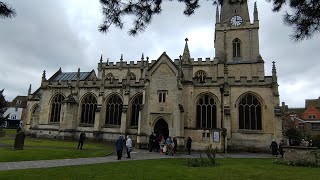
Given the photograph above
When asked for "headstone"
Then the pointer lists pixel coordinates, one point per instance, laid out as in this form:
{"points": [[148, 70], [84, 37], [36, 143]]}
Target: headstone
{"points": [[19, 141], [300, 153]]}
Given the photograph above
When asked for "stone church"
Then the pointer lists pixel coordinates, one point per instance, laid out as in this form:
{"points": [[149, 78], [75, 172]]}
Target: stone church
{"points": [[226, 102]]}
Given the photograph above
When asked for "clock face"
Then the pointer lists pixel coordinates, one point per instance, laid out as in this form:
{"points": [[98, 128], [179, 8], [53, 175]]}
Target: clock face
{"points": [[236, 20]]}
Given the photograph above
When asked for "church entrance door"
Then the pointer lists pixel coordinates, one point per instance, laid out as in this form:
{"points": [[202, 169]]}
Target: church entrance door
{"points": [[161, 128]]}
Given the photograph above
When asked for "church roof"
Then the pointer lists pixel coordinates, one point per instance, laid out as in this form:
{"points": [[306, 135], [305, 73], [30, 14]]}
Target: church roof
{"points": [[69, 76]]}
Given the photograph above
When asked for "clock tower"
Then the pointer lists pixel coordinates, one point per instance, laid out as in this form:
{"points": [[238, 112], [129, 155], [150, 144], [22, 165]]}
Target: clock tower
{"points": [[236, 37]]}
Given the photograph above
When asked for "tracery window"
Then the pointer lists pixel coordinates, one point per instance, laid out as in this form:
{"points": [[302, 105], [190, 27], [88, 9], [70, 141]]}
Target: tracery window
{"points": [[201, 75], [56, 107], [206, 112], [114, 110], [88, 109], [135, 110], [236, 47], [250, 113]]}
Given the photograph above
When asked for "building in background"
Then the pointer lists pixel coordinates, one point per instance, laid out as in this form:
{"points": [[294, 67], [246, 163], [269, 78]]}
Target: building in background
{"points": [[306, 119], [15, 111]]}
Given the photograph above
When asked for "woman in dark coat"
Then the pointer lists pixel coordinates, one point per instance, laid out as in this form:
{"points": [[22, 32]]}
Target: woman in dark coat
{"points": [[281, 144], [189, 141], [274, 148]]}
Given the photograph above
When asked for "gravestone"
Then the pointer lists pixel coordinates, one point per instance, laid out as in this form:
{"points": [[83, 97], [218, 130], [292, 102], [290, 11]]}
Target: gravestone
{"points": [[19, 141], [300, 153]]}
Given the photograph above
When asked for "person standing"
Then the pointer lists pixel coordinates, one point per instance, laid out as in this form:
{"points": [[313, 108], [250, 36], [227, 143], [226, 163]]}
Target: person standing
{"points": [[274, 148], [189, 142], [281, 144], [152, 141], [175, 144], [119, 147], [129, 146], [81, 140]]}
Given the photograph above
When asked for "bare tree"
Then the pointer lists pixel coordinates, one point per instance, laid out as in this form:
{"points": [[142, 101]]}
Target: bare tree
{"points": [[305, 16], [6, 11]]}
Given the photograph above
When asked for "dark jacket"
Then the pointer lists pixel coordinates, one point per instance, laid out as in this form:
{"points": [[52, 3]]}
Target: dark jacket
{"points": [[82, 136], [189, 141], [119, 144]]}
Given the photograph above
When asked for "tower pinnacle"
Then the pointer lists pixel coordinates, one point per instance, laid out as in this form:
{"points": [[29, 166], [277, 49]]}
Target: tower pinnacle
{"points": [[186, 53]]}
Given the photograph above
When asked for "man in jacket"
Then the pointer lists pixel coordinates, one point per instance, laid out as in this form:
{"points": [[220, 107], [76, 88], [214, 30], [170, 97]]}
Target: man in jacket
{"points": [[119, 146], [81, 140]]}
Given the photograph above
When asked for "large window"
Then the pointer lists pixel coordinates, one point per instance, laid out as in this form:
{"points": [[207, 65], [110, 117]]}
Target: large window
{"points": [[114, 110], [206, 112], [56, 107], [88, 109], [135, 110], [250, 113], [236, 48]]}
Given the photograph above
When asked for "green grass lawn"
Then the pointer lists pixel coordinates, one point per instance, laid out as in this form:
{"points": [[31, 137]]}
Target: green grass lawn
{"points": [[170, 169], [45, 149]]}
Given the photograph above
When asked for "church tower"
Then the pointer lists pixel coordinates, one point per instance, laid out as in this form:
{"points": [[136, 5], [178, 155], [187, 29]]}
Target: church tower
{"points": [[236, 37]]}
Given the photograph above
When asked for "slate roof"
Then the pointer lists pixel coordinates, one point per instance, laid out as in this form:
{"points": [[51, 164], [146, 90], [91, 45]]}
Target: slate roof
{"points": [[314, 102], [70, 76], [22, 104]]}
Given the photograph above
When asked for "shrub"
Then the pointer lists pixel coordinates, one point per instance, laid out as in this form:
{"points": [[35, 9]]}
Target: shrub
{"points": [[204, 162], [301, 163], [316, 140]]}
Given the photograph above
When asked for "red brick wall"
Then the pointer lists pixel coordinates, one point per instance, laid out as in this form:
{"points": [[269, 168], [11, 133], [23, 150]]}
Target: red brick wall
{"points": [[311, 111]]}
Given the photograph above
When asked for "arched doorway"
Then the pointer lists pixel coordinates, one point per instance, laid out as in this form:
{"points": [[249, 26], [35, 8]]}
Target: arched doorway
{"points": [[161, 128]]}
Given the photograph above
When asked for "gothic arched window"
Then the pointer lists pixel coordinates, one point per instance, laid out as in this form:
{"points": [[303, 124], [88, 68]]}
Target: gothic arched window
{"points": [[201, 75], [250, 113], [56, 107], [135, 110], [88, 109], [114, 110], [236, 47], [206, 112]]}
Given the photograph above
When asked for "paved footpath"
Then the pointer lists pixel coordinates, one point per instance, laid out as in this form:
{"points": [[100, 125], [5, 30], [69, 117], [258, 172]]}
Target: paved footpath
{"points": [[136, 155]]}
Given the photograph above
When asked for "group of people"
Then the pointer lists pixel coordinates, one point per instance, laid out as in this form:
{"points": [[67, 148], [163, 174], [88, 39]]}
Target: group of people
{"points": [[166, 146], [277, 148], [120, 145]]}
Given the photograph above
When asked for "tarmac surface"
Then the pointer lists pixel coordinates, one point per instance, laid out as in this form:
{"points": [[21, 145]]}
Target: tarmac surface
{"points": [[137, 154]]}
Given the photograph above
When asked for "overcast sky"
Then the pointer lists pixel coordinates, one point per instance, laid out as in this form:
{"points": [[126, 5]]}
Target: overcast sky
{"points": [[50, 34]]}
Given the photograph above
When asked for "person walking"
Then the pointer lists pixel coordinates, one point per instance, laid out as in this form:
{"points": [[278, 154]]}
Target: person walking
{"points": [[189, 142], [119, 147], [274, 148], [281, 144], [129, 146], [81, 140]]}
